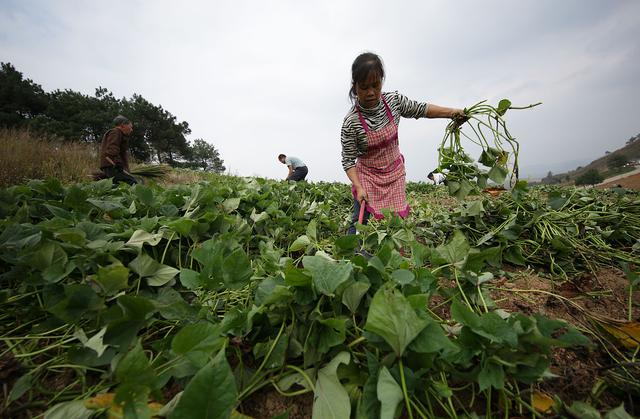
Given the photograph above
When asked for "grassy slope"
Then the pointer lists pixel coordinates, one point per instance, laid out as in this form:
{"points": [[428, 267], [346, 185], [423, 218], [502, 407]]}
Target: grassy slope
{"points": [[632, 151]]}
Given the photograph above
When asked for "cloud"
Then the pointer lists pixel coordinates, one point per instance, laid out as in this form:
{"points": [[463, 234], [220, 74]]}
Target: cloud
{"points": [[260, 78]]}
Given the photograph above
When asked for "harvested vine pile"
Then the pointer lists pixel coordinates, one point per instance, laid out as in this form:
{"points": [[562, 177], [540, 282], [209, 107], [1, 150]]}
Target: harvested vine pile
{"points": [[244, 296], [485, 126]]}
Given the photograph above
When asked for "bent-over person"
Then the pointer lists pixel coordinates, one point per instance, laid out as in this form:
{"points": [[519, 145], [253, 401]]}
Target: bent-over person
{"points": [[114, 151], [297, 168]]}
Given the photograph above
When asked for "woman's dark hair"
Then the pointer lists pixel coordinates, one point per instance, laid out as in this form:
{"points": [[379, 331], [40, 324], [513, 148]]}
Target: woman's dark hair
{"points": [[364, 64], [281, 156]]}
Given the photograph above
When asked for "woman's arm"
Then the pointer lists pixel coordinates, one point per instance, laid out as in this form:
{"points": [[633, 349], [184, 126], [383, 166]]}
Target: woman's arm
{"points": [[352, 173], [435, 111], [290, 171]]}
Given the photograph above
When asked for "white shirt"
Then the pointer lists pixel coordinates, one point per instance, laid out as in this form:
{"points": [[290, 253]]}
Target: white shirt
{"points": [[438, 178]]}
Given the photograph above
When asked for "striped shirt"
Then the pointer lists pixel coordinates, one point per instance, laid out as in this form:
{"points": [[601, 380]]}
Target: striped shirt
{"points": [[353, 136]]}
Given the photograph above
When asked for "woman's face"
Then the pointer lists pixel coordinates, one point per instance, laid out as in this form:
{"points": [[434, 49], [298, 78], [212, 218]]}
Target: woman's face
{"points": [[369, 91]]}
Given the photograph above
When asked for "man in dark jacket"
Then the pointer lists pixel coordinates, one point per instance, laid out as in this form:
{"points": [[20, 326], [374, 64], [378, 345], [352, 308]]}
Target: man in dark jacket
{"points": [[114, 153]]}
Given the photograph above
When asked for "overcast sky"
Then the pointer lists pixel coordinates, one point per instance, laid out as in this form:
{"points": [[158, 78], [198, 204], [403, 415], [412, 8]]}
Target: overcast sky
{"points": [[259, 78]]}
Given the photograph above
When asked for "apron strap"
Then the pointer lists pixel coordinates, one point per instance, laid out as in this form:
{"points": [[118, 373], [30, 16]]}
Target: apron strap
{"points": [[388, 109]]}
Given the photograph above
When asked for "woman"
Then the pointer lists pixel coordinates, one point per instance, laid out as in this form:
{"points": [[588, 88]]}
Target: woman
{"points": [[370, 153]]}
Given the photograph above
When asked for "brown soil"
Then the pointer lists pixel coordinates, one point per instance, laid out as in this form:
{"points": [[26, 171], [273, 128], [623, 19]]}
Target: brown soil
{"points": [[629, 182], [580, 301], [268, 403]]}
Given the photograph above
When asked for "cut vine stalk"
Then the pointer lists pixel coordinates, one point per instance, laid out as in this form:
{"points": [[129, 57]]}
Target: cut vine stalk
{"points": [[488, 131]]}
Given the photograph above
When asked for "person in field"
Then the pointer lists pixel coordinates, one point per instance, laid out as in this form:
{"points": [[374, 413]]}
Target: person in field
{"points": [[297, 168], [370, 150], [114, 151], [437, 178]]}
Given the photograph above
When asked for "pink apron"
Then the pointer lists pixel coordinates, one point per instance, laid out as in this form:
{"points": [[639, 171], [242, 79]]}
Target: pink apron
{"points": [[381, 169]]}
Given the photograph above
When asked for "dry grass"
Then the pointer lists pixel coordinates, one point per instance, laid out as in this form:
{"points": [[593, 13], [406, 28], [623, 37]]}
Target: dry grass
{"points": [[186, 176], [25, 155]]}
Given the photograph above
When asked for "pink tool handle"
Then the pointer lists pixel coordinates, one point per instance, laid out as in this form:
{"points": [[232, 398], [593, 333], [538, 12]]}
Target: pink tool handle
{"points": [[361, 216]]}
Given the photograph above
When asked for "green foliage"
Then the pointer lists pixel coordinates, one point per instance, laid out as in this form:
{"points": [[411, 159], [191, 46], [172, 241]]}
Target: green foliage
{"points": [[206, 157], [617, 161], [20, 98], [590, 177], [216, 290]]}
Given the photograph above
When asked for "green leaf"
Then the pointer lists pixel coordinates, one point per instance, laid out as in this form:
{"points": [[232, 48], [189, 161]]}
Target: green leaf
{"points": [[331, 400], [236, 269], [106, 205], [352, 295], [327, 274], [331, 333], [198, 342], [59, 212], [296, 277], [134, 368], [49, 255], [134, 399], [503, 106], [432, 339], [300, 243], [312, 230], [368, 405], [172, 306], [454, 252], [491, 375], [474, 209], [277, 357], [498, 174], [144, 194], [403, 276], [182, 226], [17, 236], [140, 237], [95, 343], [68, 410], [346, 244], [618, 413], [487, 158], [156, 273], [113, 278], [58, 272], [21, 386], [80, 299], [462, 314], [136, 307], [463, 189], [211, 393], [190, 279], [389, 394], [581, 410], [392, 318], [71, 235], [494, 327], [513, 254], [231, 204]]}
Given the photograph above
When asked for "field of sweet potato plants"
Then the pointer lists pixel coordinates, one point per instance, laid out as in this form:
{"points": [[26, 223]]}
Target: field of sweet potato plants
{"points": [[244, 298]]}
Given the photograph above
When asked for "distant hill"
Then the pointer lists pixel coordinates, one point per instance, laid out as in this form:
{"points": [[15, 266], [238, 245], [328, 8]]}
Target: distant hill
{"points": [[631, 152]]}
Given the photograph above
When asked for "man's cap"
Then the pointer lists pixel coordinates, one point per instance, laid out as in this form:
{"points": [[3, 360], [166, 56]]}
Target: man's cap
{"points": [[120, 120]]}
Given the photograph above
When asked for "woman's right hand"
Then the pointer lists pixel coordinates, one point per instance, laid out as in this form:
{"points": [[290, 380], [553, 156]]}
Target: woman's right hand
{"points": [[361, 194]]}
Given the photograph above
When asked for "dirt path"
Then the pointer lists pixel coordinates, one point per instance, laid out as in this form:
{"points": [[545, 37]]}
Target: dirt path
{"points": [[619, 179], [630, 181]]}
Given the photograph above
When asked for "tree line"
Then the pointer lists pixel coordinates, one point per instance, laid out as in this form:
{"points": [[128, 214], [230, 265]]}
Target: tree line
{"points": [[74, 116]]}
